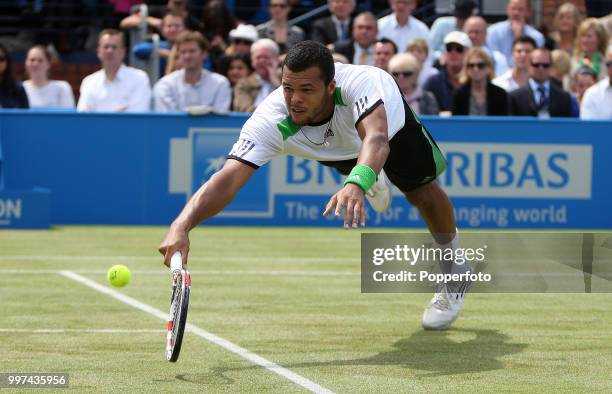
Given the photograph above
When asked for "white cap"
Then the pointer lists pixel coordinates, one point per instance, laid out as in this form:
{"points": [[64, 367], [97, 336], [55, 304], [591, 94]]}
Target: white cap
{"points": [[245, 32], [458, 37]]}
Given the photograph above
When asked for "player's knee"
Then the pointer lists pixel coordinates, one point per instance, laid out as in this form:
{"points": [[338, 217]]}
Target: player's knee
{"points": [[424, 196]]}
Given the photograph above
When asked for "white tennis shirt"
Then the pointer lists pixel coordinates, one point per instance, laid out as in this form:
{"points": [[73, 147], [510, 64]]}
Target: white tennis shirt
{"points": [[270, 132]]}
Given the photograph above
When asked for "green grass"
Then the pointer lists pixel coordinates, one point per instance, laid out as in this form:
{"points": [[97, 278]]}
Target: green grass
{"points": [[315, 323]]}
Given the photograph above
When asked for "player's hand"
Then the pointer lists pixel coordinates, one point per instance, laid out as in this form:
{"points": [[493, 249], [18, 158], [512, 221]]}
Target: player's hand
{"points": [[351, 199], [177, 239]]}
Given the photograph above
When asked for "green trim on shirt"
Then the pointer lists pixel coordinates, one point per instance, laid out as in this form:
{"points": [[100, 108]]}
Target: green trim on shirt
{"points": [[287, 128], [338, 97]]}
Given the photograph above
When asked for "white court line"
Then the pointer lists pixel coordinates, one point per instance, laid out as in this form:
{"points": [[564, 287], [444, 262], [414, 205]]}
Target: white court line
{"points": [[82, 330], [194, 258], [197, 272], [242, 352]]}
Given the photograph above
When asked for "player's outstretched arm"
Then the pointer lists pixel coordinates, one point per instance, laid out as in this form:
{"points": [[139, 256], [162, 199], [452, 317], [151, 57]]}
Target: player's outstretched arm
{"points": [[209, 200], [373, 153]]}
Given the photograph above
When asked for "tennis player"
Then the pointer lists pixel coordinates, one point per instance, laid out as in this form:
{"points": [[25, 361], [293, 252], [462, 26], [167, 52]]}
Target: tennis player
{"points": [[353, 118]]}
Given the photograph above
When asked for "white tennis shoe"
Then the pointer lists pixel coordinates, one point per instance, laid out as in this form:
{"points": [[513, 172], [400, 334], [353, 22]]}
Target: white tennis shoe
{"points": [[444, 307], [379, 194]]}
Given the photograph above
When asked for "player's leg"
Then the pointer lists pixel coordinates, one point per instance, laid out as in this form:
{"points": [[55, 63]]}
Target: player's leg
{"points": [[413, 164]]}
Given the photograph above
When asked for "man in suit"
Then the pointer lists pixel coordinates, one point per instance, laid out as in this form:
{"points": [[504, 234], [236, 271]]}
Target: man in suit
{"points": [[360, 49], [336, 27], [539, 97]]}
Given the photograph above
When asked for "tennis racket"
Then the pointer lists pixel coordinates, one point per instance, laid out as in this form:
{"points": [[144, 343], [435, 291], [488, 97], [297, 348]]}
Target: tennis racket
{"points": [[179, 304]]}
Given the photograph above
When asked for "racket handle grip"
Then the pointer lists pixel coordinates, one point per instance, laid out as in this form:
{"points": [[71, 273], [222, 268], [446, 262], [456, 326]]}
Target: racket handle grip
{"points": [[176, 262]]}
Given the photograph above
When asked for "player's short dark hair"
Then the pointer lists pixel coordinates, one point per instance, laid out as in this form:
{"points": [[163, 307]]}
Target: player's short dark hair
{"points": [[311, 53], [525, 40], [385, 40]]}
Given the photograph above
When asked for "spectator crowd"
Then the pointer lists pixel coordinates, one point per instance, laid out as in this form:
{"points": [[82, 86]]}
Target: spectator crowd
{"points": [[460, 66]]}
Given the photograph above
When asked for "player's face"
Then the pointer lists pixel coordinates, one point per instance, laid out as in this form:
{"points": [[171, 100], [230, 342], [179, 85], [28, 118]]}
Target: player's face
{"points": [[111, 50], [36, 63], [307, 97]]}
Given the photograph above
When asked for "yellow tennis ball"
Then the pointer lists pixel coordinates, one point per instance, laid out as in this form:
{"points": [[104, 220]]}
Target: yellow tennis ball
{"points": [[118, 275]]}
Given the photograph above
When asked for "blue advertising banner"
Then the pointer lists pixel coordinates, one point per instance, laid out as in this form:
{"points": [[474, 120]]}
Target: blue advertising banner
{"points": [[25, 209], [505, 173]]}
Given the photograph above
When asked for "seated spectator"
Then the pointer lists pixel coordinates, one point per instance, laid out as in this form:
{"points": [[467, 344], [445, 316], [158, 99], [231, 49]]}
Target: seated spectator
{"points": [[596, 101], [477, 95], [476, 28], [172, 26], [43, 92], [560, 69], [251, 91], [462, 9], [192, 86], [238, 67], [501, 35], [565, 25], [405, 69], [360, 48], [590, 46], [116, 87], [518, 75], [241, 39], [420, 50], [384, 49], [337, 26], [155, 20], [218, 22], [539, 97], [400, 26], [583, 79], [12, 94], [278, 29], [444, 84]]}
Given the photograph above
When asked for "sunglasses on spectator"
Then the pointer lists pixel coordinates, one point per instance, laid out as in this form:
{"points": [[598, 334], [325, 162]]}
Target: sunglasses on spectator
{"points": [[405, 74], [454, 47], [479, 66], [609, 63], [540, 65], [279, 5], [239, 41]]}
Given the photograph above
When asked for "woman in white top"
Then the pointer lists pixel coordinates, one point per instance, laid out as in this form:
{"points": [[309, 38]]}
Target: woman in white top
{"points": [[43, 92]]}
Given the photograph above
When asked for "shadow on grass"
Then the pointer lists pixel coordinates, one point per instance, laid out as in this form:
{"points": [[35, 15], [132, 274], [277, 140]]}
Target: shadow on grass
{"points": [[433, 352]]}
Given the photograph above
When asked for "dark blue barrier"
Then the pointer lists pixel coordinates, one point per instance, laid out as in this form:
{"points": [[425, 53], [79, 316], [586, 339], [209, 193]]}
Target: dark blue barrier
{"points": [[141, 168]]}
